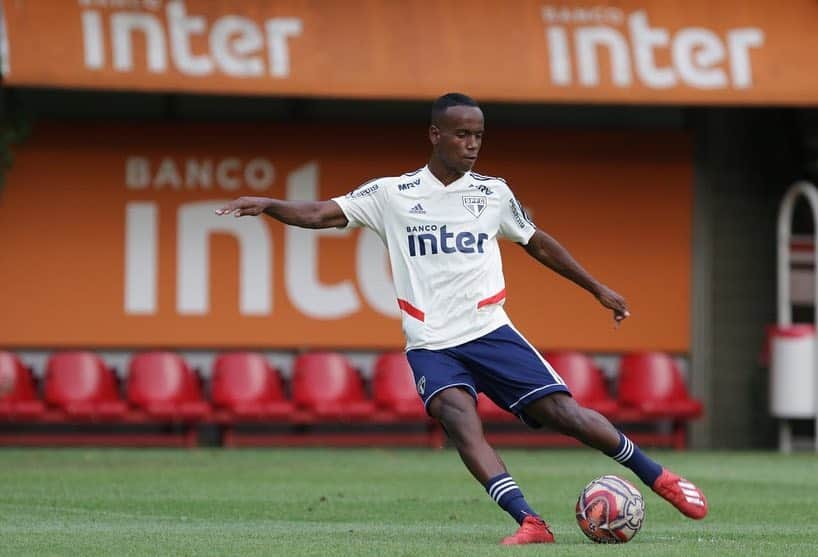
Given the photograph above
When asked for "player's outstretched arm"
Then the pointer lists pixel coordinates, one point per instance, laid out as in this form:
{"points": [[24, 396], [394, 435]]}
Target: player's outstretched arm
{"points": [[550, 253], [306, 214]]}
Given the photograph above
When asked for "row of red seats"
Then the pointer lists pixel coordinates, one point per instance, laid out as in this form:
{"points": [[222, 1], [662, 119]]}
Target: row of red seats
{"points": [[244, 386], [160, 386]]}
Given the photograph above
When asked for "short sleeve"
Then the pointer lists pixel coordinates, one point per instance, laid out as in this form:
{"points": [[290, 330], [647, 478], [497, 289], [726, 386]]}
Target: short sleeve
{"points": [[364, 206], [515, 223]]}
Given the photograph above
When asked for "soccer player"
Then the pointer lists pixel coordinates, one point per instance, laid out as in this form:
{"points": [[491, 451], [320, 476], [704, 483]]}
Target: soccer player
{"points": [[440, 225]]}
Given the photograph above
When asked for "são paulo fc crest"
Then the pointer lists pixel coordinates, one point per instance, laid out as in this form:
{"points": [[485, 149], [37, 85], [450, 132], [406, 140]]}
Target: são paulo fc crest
{"points": [[475, 204]]}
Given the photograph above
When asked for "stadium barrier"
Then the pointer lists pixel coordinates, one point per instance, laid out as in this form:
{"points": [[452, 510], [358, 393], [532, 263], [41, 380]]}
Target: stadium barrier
{"points": [[326, 402]]}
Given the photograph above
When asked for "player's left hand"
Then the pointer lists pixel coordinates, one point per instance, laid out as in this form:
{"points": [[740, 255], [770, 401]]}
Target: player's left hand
{"points": [[615, 302]]}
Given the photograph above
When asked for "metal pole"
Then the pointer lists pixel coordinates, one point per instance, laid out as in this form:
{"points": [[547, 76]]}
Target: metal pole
{"points": [[810, 192]]}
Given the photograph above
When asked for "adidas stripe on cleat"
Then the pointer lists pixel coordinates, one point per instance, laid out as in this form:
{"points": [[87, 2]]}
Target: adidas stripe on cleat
{"points": [[682, 494]]}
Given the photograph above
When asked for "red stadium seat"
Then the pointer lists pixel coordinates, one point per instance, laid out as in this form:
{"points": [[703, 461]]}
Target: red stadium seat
{"points": [[248, 387], [585, 380], [82, 386], [652, 384], [393, 387], [19, 401], [164, 386], [326, 385]]}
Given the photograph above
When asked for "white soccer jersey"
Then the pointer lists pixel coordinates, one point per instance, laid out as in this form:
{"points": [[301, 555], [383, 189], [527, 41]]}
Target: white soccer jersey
{"points": [[442, 243]]}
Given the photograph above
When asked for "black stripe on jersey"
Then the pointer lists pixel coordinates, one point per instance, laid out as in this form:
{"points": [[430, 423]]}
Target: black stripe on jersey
{"points": [[524, 213], [412, 173], [483, 178]]}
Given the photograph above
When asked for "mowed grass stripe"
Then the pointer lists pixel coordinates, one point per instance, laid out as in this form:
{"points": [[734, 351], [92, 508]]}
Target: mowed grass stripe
{"points": [[375, 502]]}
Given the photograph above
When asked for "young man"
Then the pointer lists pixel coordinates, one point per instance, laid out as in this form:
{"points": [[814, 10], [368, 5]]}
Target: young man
{"points": [[440, 225]]}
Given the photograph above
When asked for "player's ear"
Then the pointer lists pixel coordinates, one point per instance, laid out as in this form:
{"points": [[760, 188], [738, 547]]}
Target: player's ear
{"points": [[434, 134]]}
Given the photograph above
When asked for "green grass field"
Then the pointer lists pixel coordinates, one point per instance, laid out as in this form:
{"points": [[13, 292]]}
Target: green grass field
{"points": [[372, 502]]}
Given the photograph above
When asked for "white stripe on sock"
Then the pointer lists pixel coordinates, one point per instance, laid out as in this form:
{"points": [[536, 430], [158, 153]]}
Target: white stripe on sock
{"points": [[628, 456], [624, 449], [499, 485], [502, 489], [625, 453], [502, 492]]}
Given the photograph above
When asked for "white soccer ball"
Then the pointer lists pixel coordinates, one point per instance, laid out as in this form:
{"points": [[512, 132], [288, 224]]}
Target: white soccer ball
{"points": [[610, 510]]}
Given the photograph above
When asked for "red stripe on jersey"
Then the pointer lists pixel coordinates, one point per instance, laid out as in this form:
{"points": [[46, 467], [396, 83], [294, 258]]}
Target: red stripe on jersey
{"points": [[493, 299], [411, 310]]}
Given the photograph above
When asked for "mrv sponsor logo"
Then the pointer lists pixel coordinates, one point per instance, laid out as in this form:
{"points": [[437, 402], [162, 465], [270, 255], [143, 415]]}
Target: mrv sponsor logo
{"points": [[409, 185]]}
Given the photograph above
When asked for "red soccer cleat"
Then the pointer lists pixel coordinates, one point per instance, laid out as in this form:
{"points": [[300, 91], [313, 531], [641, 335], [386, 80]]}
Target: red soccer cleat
{"points": [[532, 530], [682, 494]]}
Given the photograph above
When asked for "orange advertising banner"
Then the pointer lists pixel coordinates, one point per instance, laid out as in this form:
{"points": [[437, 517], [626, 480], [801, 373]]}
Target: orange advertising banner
{"points": [[623, 51], [108, 236]]}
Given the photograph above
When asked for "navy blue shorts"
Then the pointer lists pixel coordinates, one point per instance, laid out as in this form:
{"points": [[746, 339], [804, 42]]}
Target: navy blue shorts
{"points": [[501, 364]]}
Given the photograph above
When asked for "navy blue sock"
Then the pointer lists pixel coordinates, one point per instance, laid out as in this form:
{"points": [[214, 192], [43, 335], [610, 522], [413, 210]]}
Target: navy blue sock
{"points": [[628, 454], [503, 489]]}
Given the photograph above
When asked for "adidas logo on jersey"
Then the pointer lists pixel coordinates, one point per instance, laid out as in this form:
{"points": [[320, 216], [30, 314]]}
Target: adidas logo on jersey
{"points": [[417, 210]]}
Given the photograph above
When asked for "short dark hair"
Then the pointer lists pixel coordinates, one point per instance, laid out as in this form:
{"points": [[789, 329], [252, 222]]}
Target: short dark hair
{"points": [[449, 100]]}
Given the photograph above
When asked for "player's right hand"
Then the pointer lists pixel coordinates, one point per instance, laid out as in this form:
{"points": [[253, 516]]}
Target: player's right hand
{"points": [[615, 302], [245, 206]]}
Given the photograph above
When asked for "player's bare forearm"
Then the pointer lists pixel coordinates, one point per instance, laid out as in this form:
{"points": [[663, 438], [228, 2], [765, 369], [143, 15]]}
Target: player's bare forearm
{"points": [[305, 214], [550, 253]]}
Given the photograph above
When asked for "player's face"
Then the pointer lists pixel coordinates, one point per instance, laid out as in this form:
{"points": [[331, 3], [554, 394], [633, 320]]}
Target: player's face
{"points": [[457, 136]]}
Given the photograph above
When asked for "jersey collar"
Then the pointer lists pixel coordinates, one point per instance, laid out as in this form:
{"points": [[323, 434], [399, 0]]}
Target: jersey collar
{"points": [[432, 178]]}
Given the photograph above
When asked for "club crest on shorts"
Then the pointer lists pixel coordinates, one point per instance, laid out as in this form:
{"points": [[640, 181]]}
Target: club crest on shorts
{"points": [[475, 204], [422, 384]]}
